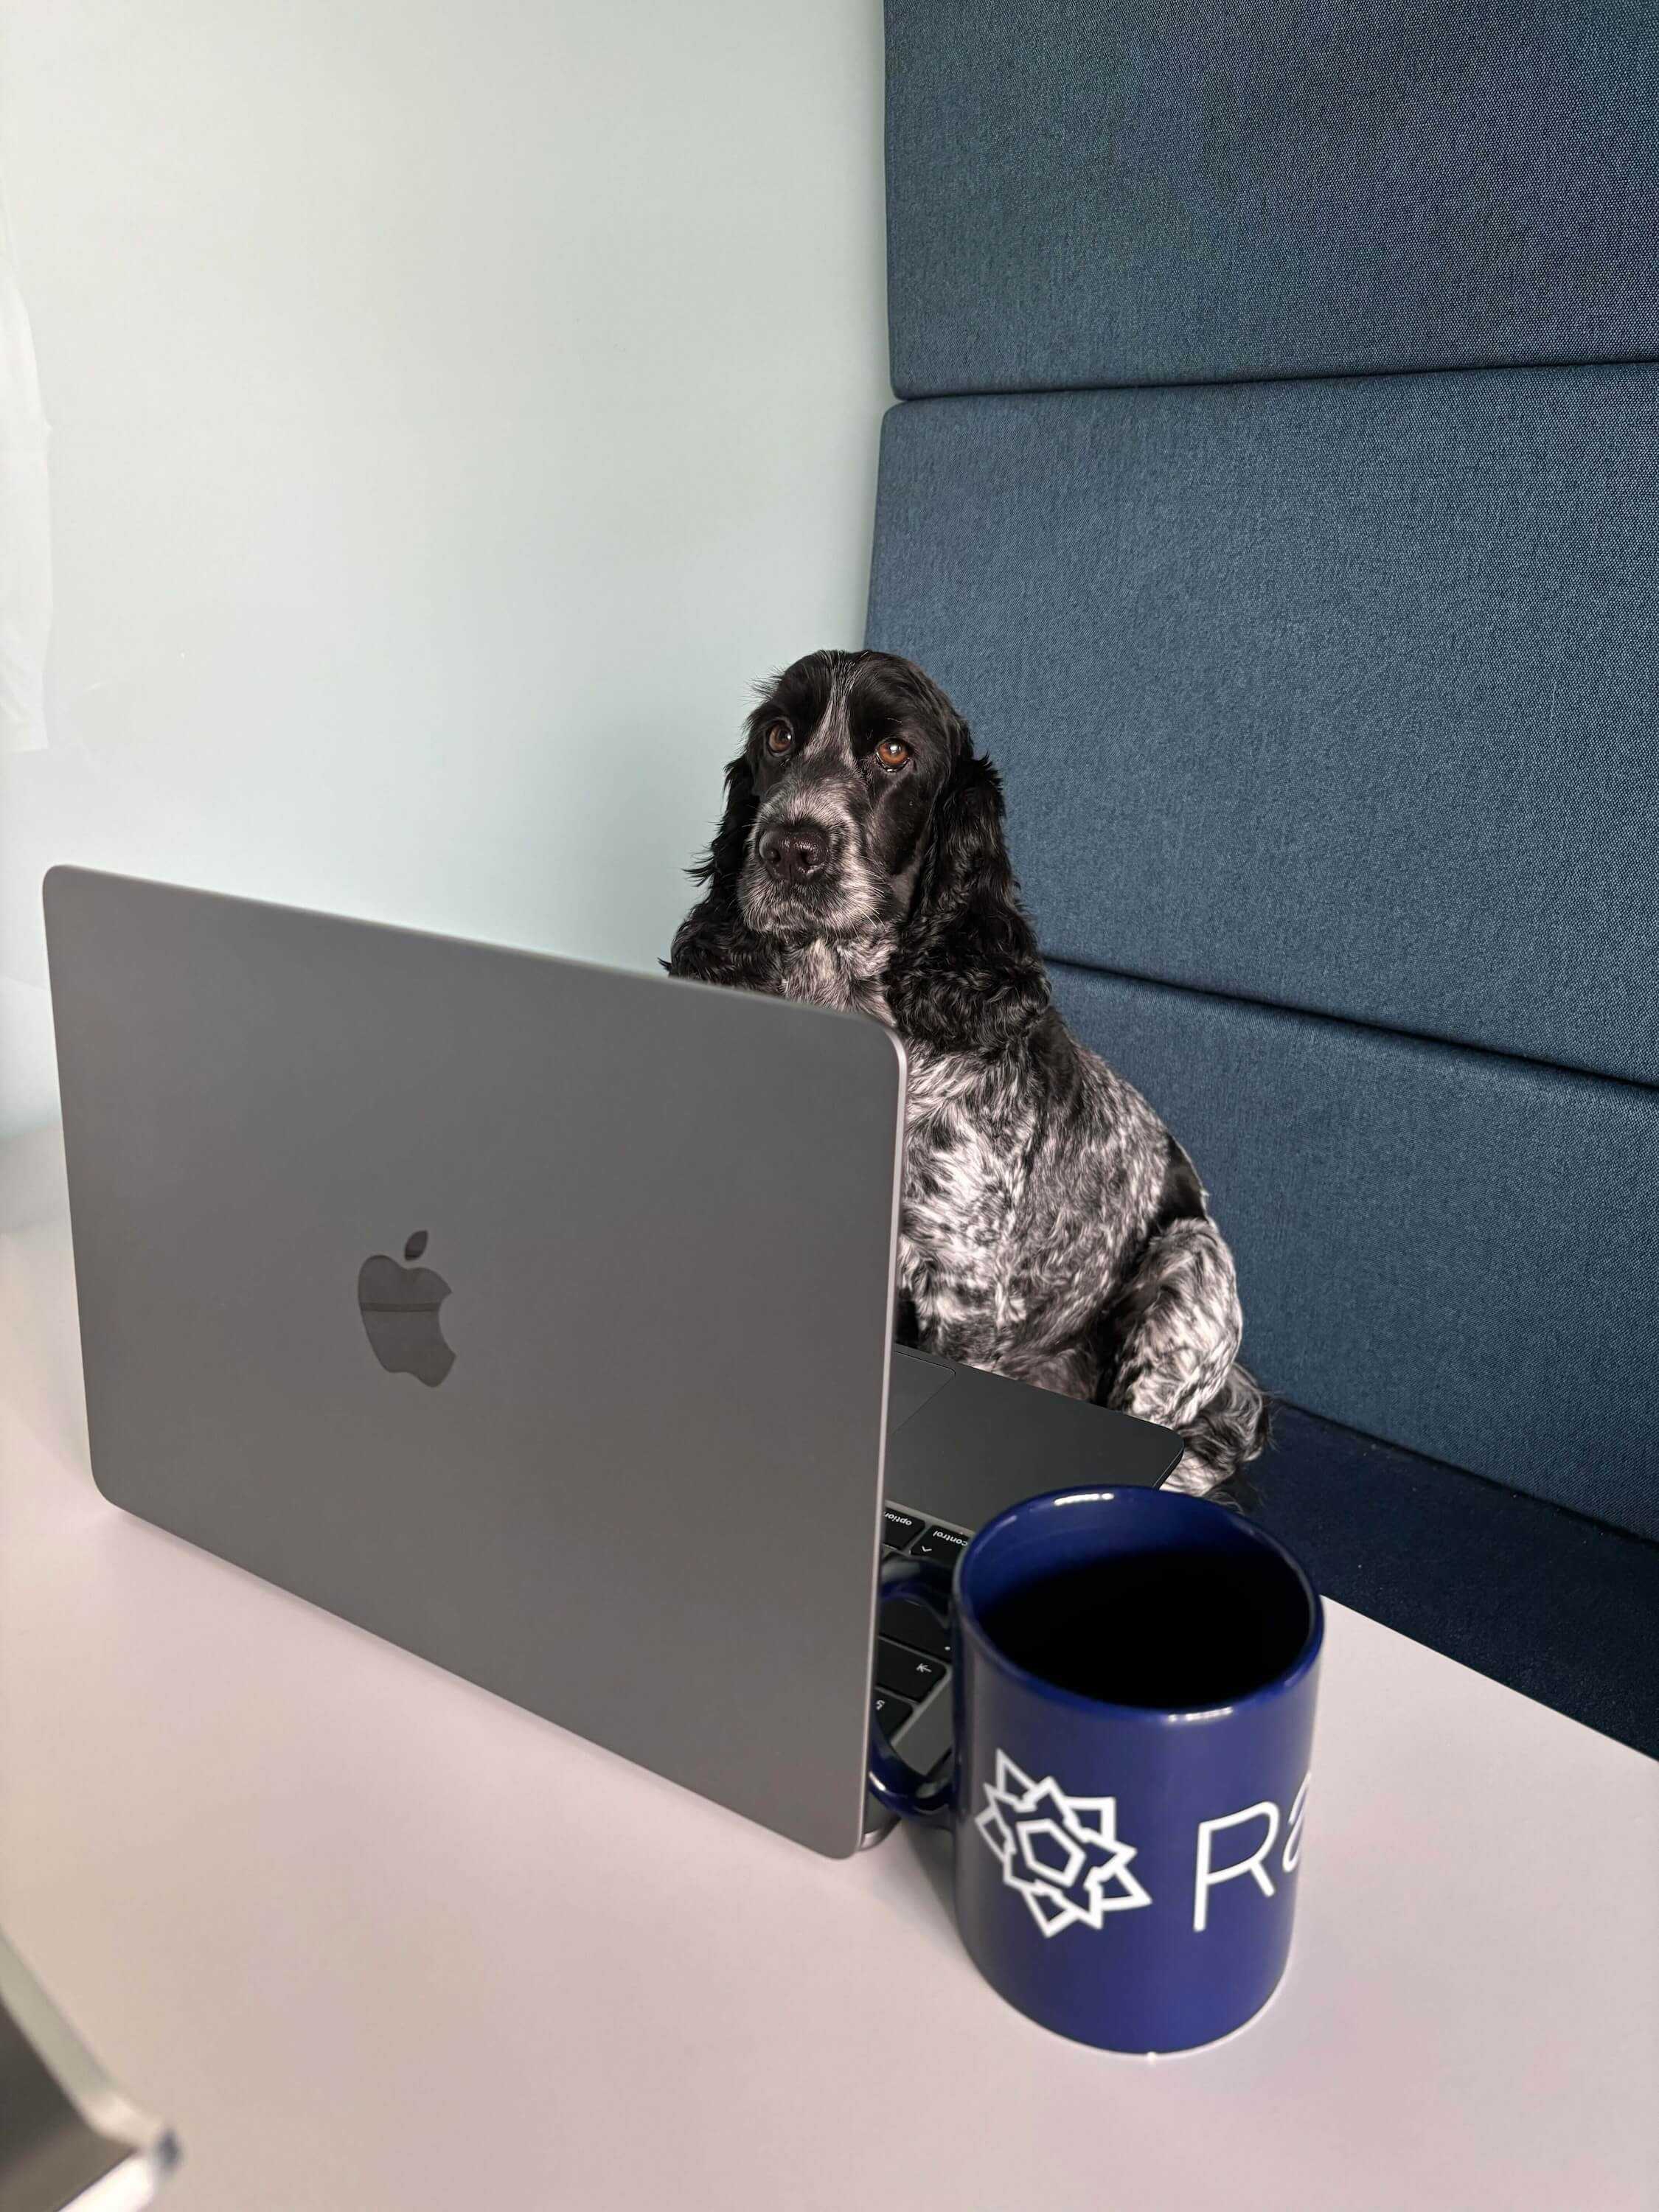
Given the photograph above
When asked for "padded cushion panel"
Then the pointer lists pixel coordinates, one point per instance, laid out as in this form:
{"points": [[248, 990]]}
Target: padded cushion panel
{"points": [[1448, 1250], [1337, 694], [1558, 1608], [1159, 192]]}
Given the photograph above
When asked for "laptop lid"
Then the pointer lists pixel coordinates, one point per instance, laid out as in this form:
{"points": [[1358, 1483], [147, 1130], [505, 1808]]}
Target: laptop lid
{"points": [[533, 1316]]}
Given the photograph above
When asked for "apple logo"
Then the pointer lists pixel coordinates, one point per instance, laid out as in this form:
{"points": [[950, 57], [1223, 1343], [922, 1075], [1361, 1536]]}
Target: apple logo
{"points": [[399, 1307]]}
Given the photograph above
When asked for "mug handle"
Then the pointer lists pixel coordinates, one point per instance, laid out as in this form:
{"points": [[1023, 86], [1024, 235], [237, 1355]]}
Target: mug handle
{"points": [[893, 1782]]}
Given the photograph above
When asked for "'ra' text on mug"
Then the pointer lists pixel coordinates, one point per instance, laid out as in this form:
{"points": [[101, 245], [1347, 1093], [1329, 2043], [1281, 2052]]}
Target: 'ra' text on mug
{"points": [[1065, 1857]]}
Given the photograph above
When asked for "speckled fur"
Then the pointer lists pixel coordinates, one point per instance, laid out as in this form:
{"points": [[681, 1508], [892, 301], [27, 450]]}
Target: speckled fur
{"points": [[1052, 1228]]}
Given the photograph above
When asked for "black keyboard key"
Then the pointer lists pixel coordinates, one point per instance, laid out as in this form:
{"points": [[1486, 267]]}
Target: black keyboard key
{"points": [[907, 1622], [898, 1530], [941, 1544], [906, 1674], [892, 1712]]}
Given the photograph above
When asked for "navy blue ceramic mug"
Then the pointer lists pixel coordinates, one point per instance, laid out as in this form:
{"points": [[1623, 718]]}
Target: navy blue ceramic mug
{"points": [[1134, 1681]]}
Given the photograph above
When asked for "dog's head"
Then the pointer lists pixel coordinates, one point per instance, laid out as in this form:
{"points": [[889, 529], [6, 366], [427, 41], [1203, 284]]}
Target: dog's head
{"points": [[847, 755], [858, 808]]}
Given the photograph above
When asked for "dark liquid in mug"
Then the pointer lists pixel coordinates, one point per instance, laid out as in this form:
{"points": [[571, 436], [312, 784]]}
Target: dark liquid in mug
{"points": [[1154, 1628]]}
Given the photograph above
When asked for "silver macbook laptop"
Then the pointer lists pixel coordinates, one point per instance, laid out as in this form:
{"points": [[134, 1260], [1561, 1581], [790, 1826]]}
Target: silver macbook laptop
{"points": [[536, 1317]]}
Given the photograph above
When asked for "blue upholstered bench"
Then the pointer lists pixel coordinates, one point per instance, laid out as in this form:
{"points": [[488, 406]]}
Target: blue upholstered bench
{"points": [[1275, 486]]}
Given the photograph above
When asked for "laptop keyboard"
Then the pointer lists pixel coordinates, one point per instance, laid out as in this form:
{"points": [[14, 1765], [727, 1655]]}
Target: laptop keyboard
{"points": [[913, 1652]]}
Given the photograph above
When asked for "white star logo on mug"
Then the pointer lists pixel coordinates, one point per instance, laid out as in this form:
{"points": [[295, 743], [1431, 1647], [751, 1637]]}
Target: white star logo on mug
{"points": [[1061, 1853]]}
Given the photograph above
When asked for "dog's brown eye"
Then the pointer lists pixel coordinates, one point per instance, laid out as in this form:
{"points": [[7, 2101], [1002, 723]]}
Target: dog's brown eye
{"points": [[780, 738], [892, 752]]}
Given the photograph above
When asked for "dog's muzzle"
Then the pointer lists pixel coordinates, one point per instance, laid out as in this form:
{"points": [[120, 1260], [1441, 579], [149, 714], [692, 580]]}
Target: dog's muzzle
{"points": [[803, 877]]}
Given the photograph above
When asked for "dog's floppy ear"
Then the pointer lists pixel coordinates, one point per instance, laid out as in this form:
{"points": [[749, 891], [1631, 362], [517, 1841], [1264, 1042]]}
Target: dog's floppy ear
{"points": [[726, 855], [967, 973], [709, 944]]}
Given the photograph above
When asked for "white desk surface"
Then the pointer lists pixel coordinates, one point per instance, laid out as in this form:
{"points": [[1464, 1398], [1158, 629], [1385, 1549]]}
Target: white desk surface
{"points": [[375, 1941]]}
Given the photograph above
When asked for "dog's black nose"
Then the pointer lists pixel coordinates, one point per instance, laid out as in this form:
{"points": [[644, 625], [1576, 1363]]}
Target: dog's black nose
{"points": [[793, 853]]}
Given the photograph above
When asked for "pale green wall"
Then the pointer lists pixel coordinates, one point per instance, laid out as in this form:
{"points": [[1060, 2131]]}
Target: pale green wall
{"points": [[452, 408]]}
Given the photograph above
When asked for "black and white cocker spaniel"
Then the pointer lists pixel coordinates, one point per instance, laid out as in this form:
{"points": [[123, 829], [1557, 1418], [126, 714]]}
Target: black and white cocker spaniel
{"points": [[1052, 1228]]}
